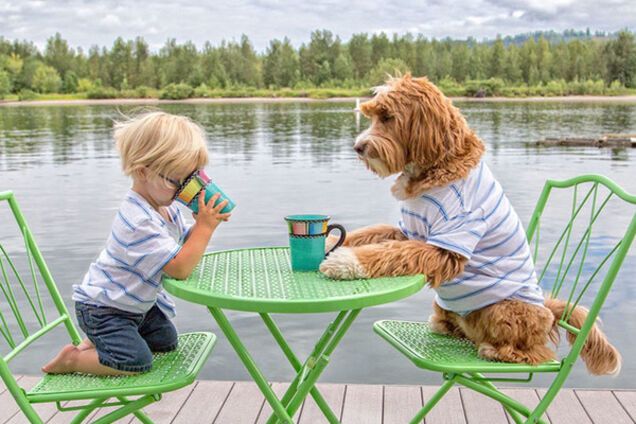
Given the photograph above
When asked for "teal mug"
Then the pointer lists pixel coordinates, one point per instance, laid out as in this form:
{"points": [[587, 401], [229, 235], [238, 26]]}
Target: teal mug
{"points": [[307, 236]]}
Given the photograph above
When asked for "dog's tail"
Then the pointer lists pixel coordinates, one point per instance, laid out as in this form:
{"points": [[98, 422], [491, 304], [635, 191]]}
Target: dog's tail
{"points": [[599, 355]]}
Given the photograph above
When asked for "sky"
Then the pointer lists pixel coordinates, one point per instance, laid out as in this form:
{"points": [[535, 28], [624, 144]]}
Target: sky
{"points": [[100, 22]]}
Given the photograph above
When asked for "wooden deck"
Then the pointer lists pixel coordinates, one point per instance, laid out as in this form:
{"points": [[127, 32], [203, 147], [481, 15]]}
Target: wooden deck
{"points": [[230, 402]]}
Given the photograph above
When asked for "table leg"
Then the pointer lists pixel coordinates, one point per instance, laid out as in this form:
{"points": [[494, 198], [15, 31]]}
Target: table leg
{"points": [[308, 373], [249, 363]]}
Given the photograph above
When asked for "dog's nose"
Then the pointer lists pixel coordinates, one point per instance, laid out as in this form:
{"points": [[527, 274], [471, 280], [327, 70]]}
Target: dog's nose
{"points": [[360, 148]]}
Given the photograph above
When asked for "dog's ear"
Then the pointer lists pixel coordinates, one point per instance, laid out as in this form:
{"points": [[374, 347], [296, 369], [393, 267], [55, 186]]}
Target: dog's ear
{"points": [[430, 124], [369, 108]]}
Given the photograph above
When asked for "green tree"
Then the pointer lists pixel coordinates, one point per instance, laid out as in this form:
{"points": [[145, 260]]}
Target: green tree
{"points": [[46, 80], [343, 67], [121, 63], [621, 59], [5, 84], [70, 82], [380, 48], [58, 54], [280, 64], [460, 58], [386, 68], [497, 59], [360, 52], [318, 58]]}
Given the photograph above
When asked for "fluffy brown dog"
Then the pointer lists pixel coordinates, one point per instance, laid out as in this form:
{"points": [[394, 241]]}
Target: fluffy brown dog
{"points": [[478, 263]]}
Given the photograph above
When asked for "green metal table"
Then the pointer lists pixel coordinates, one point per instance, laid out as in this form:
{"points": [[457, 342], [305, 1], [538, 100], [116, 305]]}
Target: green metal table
{"points": [[260, 280]]}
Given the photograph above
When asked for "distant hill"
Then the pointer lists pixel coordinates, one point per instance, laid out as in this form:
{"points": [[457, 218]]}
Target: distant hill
{"points": [[558, 37]]}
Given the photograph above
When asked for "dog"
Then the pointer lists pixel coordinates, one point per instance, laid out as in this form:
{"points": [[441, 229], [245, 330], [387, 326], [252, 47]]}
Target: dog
{"points": [[459, 229]]}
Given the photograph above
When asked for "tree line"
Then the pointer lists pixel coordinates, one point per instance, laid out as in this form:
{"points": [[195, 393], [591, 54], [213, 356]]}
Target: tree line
{"points": [[129, 68]]}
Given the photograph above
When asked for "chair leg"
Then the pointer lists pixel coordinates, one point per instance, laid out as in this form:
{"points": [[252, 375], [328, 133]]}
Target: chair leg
{"points": [[433, 401], [515, 415], [506, 401], [553, 390], [145, 419], [128, 409], [85, 412]]}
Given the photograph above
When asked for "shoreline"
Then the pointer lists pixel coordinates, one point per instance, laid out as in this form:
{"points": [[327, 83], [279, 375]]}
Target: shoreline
{"points": [[127, 101]]}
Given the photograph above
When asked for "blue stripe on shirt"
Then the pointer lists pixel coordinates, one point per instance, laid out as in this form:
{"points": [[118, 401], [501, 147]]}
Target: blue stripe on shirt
{"points": [[142, 207], [123, 288], [498, 281], [449, 246], [458, 194], [418, 216], [125, 221], [136, 242], [504, 241], [436, 203]]}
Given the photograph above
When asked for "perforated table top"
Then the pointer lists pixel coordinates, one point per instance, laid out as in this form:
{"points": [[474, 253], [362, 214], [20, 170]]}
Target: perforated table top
{"points": [[261, 280]]}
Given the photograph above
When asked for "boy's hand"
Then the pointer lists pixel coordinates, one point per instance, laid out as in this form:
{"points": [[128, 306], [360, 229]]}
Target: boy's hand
{"points": [[210, 215]]}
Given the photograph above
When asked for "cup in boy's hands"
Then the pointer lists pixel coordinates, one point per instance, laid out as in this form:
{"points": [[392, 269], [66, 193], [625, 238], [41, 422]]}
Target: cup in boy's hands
{"points": [[197, 182]]}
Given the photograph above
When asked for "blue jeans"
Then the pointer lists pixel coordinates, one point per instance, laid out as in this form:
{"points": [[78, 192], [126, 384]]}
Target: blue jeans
{"points": [[124, 340]]}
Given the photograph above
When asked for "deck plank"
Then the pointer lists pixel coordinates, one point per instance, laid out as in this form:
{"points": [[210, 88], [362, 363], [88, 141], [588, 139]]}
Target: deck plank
{"points": [[334, 396], [204, 403], [448, 410], [527, 397], [627, 400], [603, 407], [481, 409], [8, 407], [242, 405], [168, 407], [209, 402], [45, 410], [401, 403], [362, 404], [566, 408], [266, 410]]}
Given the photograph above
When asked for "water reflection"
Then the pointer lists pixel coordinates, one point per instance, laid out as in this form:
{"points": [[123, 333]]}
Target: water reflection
{"points": [[280, 158]]}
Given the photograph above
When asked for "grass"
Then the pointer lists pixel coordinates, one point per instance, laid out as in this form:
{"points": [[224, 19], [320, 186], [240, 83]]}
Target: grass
{"points": [[326, 93]]}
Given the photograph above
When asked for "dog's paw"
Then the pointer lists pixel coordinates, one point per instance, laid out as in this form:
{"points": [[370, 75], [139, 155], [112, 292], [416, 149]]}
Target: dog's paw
{"points": [[342, 264], [438, 326], [487, 351]]}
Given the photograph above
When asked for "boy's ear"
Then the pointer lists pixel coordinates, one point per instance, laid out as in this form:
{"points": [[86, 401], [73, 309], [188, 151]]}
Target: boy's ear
{"points": [[140, 173]]}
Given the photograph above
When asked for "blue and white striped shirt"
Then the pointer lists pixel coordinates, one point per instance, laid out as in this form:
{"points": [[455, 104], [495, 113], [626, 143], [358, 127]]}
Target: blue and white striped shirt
{"points": [[473, 217], [127, 273]]}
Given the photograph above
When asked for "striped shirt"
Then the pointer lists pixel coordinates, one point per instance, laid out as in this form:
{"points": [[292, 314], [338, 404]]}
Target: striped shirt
{"points": [[127, 273], [473, 217]]}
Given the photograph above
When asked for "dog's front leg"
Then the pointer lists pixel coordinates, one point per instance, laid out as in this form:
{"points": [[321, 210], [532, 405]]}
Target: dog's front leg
{"points": [[394, 258], [368, 235]]}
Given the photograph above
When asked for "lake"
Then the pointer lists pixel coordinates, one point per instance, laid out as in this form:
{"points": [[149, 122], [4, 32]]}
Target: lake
{"points": [[275, 159]]}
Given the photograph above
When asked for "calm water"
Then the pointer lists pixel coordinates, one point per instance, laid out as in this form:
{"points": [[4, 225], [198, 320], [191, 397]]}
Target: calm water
{"points": [[276, 159]]}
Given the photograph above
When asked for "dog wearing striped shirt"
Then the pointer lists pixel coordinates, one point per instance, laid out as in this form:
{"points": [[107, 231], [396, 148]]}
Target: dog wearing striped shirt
{"points": [[459, 229]]}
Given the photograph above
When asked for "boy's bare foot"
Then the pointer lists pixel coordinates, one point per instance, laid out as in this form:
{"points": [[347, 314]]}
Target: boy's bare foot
{"points": [[62, 363], [85, 344]]}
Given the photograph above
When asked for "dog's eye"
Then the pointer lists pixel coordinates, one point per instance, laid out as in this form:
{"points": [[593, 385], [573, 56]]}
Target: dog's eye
{"points": [[385, 117]]}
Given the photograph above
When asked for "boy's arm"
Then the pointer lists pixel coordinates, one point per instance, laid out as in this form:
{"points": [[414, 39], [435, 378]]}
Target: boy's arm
{"points": [[207, 220]]}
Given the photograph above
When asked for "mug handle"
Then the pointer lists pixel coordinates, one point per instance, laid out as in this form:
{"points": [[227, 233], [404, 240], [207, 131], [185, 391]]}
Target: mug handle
{"points": [[343, 235]]}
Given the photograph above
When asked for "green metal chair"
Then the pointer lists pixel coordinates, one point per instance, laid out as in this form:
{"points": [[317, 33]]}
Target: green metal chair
{"points": [[23, 320], [564, 265]]}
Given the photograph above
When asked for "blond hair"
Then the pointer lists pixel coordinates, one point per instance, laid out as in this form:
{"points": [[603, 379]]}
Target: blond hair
{"points": [[166, 144]]}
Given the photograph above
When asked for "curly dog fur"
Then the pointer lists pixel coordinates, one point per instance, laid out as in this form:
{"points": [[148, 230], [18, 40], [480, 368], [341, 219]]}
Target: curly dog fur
{"points": [[417, 132]]}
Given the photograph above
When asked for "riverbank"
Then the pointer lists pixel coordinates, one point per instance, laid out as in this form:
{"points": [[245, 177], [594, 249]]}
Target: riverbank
{"points": [[127, 101]]}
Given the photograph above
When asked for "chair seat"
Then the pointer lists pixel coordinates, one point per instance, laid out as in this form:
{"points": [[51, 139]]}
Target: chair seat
{"points": [[438, 352], [170, 371]]}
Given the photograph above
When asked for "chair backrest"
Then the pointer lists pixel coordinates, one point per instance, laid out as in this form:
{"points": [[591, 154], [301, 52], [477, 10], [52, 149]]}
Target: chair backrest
{"points": [[579, 259], [24, 312]]}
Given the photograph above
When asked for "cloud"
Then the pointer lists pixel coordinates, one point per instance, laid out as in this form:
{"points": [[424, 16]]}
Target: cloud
{"points": [[99, 22]]}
